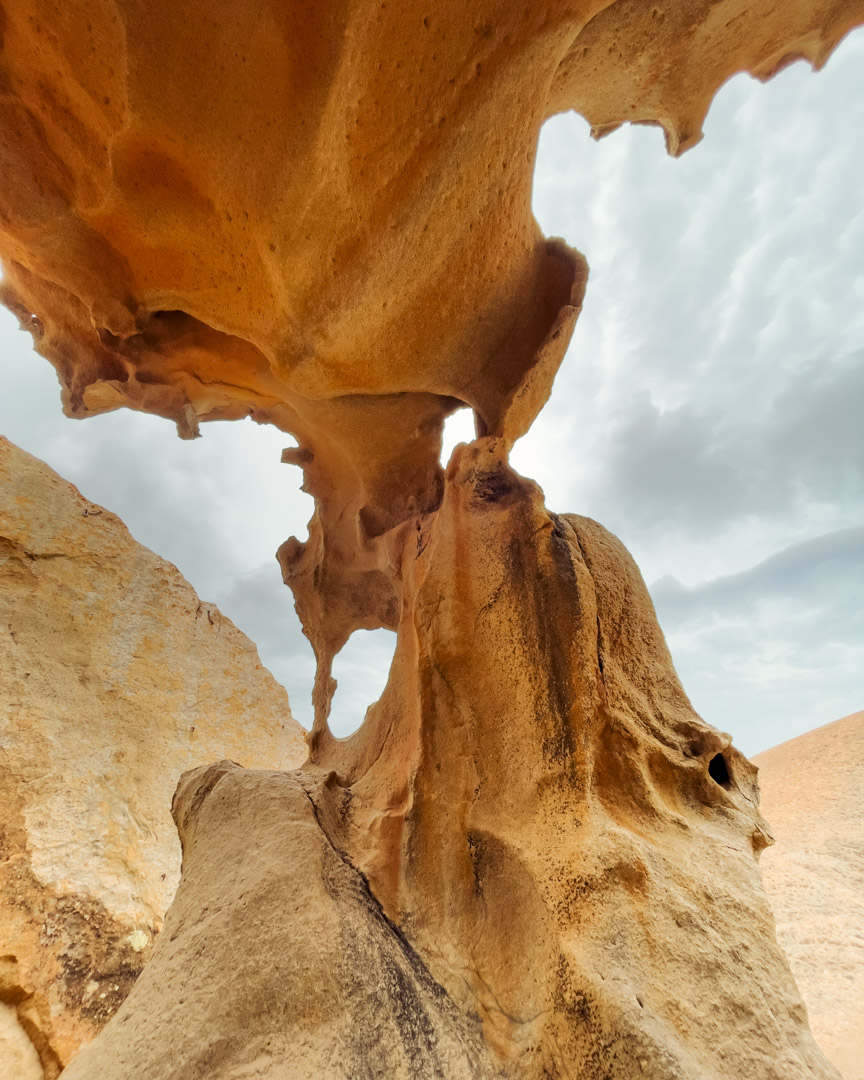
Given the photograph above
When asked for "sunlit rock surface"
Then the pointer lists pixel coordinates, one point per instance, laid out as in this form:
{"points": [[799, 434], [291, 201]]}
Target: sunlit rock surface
{"points": [[288, 966], [813, 795], [114, 679], [17, 1052], [319, 215], [532, 826]]}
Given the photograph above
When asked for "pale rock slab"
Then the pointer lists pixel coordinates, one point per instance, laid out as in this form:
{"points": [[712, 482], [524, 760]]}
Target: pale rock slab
{"points": [[276, 960], [18, 1057], [114, 679], [813, 797]]}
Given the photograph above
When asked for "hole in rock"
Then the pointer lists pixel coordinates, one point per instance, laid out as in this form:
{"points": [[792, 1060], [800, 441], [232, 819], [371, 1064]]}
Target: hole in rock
{"points": [[718, 770], [458, 428], [361, 670]]}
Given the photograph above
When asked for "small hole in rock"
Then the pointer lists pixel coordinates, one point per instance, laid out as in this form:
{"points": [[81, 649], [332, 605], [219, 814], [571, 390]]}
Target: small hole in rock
{"points": [[718, 770], [361, 670], [458, 428]]}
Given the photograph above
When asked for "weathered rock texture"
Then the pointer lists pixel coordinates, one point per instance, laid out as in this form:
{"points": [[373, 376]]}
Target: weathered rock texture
{"points": [[319, 215], [288, 966], [17, 1052], [114, 679], [532, 805], [813, 795]]}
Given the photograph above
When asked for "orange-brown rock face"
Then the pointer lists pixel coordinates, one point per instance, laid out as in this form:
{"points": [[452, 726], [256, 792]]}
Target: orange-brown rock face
{"points": [[319, 215], [550, 817]]}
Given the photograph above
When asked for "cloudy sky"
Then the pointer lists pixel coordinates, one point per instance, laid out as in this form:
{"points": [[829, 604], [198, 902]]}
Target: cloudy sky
{"points": [[710, 412]]}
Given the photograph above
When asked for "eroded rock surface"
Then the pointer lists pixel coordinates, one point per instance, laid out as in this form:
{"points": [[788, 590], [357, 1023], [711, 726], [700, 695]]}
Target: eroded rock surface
{"points": [[533, 805], [813, 795], [287, 965], [17, 1053], [319, 215], [114, 679]]}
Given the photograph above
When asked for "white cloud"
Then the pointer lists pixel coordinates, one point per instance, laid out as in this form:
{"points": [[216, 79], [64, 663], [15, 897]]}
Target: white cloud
{"points": [[773, 650], [360, 671], [709, 410]]}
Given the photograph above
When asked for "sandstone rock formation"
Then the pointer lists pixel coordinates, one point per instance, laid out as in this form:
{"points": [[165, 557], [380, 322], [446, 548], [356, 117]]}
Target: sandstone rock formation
{"points": [[813, 795], [114, 679], [288, 966], [532, 839], [17, 1053], [319, 215]]}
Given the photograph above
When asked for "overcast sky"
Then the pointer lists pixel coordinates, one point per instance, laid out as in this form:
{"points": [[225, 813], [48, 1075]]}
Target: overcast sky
{"points": [[710, 412]]}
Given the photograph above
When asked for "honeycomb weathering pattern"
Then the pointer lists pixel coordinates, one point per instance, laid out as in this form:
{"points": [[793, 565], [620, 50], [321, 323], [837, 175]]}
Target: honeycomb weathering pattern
{"points": [[319, 215]]}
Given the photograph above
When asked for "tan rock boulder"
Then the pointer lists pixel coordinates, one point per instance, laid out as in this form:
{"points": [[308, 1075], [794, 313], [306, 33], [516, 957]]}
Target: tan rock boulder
{"points": [[276, 960], [532, 810], [813, 797], [114, 679], [18, 1055]]}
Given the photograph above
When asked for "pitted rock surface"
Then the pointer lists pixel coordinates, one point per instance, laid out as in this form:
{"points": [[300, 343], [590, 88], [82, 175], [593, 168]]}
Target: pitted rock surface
{"points": [[114, 679], [318, 215]]}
